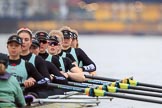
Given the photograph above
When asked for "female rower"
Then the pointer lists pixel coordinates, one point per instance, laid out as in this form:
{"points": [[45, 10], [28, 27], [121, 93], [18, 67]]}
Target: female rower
{"points": [[83, 61], [57, 49], [38, 62], [74, 43], [11, 95], [69, 69], [24, 71], [42, 38], [55, 74]]}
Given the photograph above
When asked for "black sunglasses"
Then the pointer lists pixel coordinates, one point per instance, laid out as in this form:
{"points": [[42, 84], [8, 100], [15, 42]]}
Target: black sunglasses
{"points": [[43, 41], [52, 43]]}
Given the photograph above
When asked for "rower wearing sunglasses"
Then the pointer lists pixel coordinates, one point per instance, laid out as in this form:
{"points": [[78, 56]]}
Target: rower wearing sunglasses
{"points": [[83, 61], [42, 38], [68, 69], [57, 48], [55, 74], [76, 74]]}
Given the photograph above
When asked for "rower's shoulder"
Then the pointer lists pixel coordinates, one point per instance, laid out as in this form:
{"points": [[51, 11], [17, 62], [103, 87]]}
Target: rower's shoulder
{"points": [[49, 64], [78, 49], [29, 66], [38, 58]]}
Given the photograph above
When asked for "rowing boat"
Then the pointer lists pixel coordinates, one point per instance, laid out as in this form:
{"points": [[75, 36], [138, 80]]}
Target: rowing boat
{"points": [[70, 100], [57, 103]]}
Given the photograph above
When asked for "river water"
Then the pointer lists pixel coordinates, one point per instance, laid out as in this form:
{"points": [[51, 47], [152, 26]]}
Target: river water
{"points": [[120, 57]]}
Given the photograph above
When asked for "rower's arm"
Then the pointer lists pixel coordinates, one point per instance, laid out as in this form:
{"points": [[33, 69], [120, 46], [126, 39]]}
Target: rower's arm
{"points": [[88, 64], [32, 71], [89, 68], [41, 67]]}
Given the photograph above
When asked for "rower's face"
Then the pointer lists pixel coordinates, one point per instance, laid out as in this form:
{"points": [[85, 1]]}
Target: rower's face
{"points": [[52, 48], [43, 46], [14, 49], [26, 41], [34, 50], [67, 42], [74, 43]]}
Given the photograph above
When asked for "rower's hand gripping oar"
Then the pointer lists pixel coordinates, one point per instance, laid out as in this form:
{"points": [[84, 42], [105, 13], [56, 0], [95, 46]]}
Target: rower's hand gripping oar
{"points": [[43, 83], [127, 81]]}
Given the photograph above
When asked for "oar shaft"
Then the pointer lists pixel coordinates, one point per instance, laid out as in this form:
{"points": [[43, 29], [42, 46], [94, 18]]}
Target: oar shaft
{"points": [[97, 82], [139, 93], [78, 84], [66, 87], [145, 89], [101, 78], [133, 98], [150, 85]]}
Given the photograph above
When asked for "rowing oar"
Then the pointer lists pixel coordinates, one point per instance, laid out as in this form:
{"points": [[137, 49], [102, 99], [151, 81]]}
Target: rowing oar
{"points": [[128, 81], [115, 89], [97, 92], [123, 86]]}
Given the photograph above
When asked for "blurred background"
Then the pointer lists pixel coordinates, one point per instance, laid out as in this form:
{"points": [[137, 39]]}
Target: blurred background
{"points": [[142, 17], [122, 37]]}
